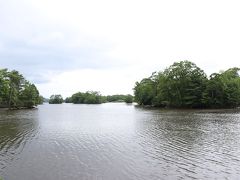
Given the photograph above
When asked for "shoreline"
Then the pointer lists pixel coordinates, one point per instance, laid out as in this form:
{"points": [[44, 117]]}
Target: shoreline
{"points": [[184, 109], [18, 108]]}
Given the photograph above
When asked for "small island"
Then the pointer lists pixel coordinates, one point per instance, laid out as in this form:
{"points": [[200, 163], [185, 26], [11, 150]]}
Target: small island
{"points": [[90, 97]]}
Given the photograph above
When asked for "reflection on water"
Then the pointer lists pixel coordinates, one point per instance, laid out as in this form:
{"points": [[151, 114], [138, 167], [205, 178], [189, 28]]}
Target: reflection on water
{"points": [[119, 141], [17, 128], [192, 144]]}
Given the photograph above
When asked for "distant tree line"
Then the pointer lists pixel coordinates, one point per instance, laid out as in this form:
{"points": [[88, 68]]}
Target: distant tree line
{"points": [[90, 97], [184, 85], [16, 91], [120, 98]]}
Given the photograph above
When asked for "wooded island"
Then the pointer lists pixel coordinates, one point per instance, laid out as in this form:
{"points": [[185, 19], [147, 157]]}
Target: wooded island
{"points": [[90, 97], [184, 85]]}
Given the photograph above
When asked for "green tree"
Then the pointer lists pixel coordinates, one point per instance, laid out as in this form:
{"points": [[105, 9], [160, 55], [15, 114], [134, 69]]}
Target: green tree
{"points": [[15, 91], [117, 98], [16, 82], [89, 97], [145, 91], [56, 99], [29, 96], [160, 99], [4, 87], [185, 83], [223, 89], [68, 100], [40, 100], [128, 98]]}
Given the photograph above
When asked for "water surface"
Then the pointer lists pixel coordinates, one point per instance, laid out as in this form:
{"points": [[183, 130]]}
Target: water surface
{"points": [[118, 141]]}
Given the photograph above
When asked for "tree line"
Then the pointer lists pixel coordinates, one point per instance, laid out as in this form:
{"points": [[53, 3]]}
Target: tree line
{"points": [[120, 98], [90, 97], [184, 85], [16, 91]]}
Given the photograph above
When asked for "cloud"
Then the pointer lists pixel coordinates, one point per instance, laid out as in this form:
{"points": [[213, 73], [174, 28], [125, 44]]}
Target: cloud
{"points": [[44, 39], [34, 57], [39, 48]]}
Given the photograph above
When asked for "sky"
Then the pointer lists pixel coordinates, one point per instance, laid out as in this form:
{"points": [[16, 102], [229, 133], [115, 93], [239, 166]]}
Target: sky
{"points": [[66, 46]]}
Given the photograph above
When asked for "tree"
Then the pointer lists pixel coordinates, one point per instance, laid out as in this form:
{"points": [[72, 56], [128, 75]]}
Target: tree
{"points": [[40, 99], [184, 85], [68, 100], [16, 82], [29, 95], [119, 98], [56, 99], [89, 97], [145, 91], [128, 98], [161, 92], [223, 89], [4, 87], [16, 92]]}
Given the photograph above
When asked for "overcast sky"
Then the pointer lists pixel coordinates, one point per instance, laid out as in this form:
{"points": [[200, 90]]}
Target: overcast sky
{"points": [[66, 46]]}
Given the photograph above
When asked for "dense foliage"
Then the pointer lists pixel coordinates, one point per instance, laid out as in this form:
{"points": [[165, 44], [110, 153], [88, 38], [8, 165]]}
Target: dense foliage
{"points": [[94, 97], [120, 98], [16, 91], [68, 100], [128, 98], [56, 99], [185, 85], [89, 97]]}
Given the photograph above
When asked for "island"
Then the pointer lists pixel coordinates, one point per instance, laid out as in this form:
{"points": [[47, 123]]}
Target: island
{"points": [[184, 85], [90, 97]]}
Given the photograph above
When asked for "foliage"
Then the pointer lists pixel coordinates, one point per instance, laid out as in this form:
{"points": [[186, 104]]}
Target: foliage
{"points": [[120, 98], [16, 92], [4, 87], [184, 85], [89, 97], [29, 96], [116, 98], [56, 99], [223, 89], [94, 97], [68, 100], [145, 91], [41, 99], [128, 98]]}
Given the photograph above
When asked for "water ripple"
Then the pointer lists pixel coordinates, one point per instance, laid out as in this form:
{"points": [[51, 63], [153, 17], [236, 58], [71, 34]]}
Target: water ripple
{"points": [[116, 141]]}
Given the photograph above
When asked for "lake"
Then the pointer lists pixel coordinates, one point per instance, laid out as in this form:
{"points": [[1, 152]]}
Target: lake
{"points": [[118, 141]]}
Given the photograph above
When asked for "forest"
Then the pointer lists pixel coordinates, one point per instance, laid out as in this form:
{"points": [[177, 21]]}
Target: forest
{"points": [[16, 92], [181, 85], [184, 85], [90, 97]]}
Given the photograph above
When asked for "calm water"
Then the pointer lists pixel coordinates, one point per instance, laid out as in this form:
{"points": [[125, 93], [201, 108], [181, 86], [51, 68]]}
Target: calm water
{"points": [[118, 141]]}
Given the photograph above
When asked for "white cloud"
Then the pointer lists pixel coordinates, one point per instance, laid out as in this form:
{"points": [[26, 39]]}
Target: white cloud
{"points": [[99, 41]]}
